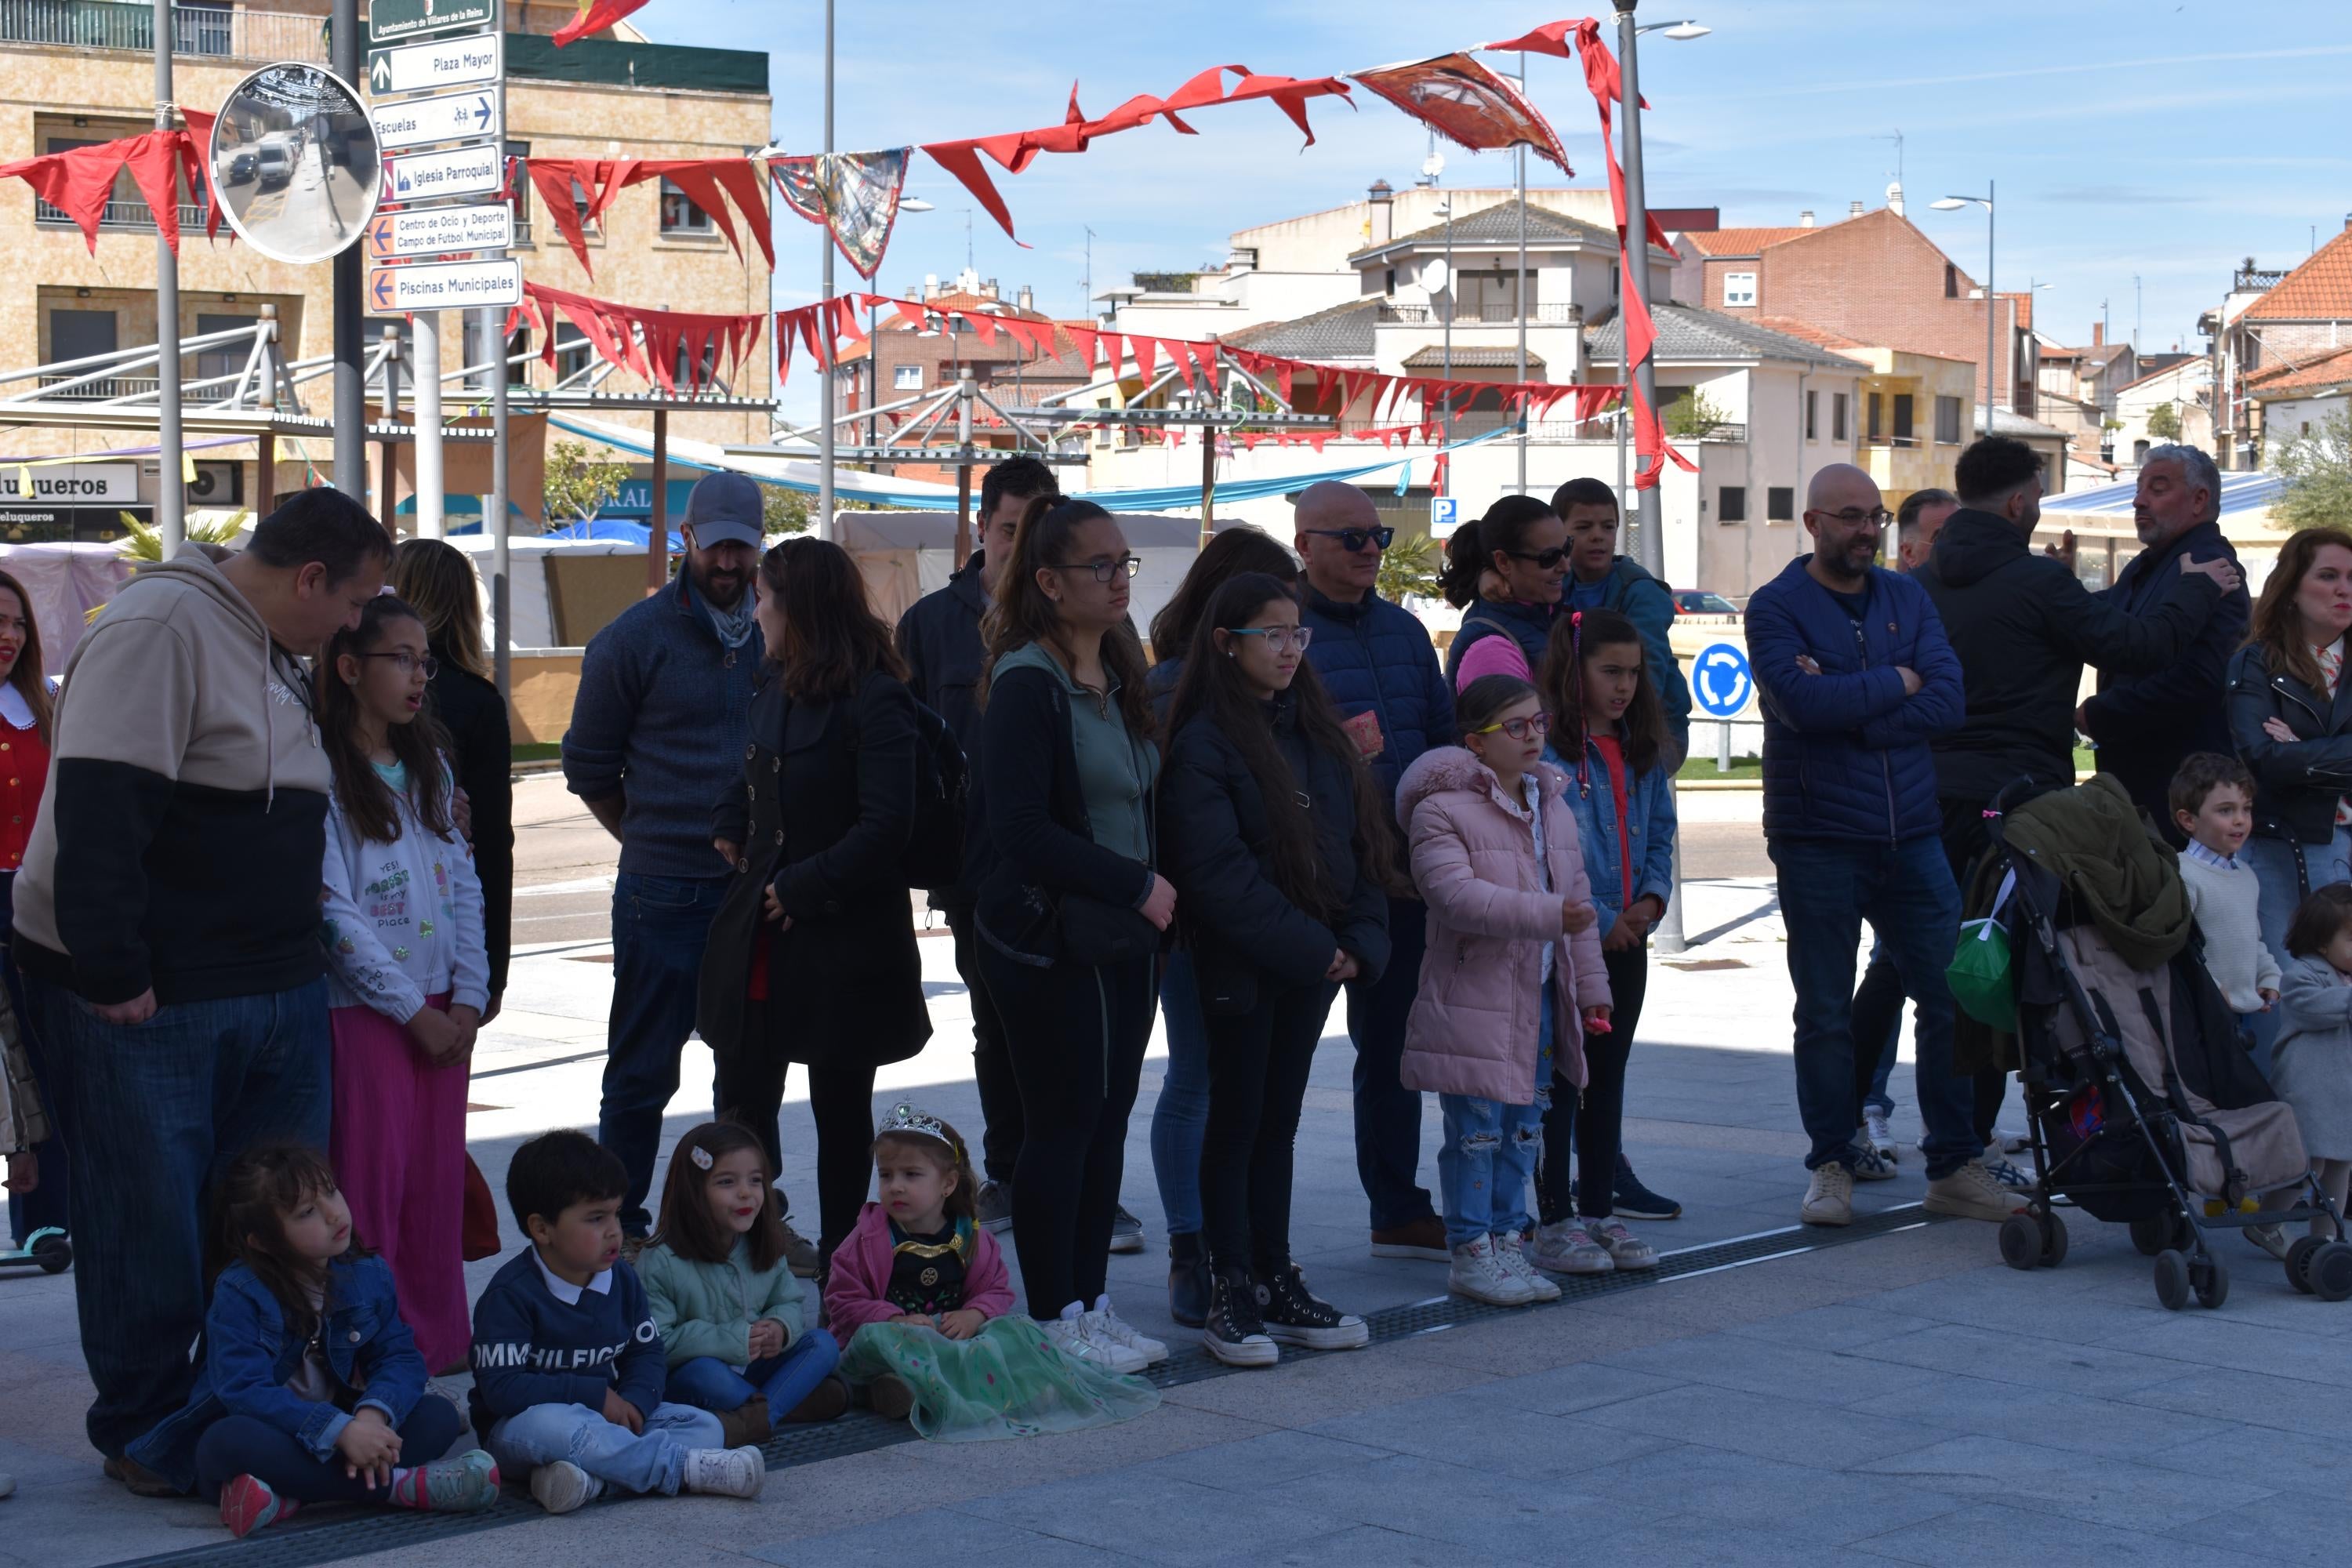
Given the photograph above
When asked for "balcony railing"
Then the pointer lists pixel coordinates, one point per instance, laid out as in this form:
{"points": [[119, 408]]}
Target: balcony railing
{"points": [[1478, 315], [104, 391], [214, 31], [131, 216]]}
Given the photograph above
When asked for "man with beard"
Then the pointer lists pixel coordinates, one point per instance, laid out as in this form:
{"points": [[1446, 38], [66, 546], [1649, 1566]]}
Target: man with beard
{"points": [[656, 738]]}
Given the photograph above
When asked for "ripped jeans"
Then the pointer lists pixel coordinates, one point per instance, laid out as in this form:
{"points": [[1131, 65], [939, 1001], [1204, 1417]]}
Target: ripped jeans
{"points": [[1489, 1151]]}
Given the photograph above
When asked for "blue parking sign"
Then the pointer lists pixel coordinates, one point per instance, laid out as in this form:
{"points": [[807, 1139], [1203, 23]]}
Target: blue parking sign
{"points": [[1720, 682]]}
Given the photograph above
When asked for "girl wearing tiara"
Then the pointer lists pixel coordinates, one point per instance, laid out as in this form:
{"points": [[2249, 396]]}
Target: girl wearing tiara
{"points": [[921, 1295]]}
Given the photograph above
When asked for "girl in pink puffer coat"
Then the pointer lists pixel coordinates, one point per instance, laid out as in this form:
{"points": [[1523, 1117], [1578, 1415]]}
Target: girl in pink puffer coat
{"points": [[1513, 945]]}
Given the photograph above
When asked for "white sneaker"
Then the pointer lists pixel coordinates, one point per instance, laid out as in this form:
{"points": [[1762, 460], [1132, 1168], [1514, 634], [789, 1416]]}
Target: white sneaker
{"points": [[1882, 1136], [725, 1472], [1074, 1338], [1105, 1323], [1829, 1197], [1870, 1164], [1971, 1192], [1625, 1249], [2010, 1140], [1565, 1247], [1478, 1273], [2007, 1172], [1511, 1253], [564, 1486]]}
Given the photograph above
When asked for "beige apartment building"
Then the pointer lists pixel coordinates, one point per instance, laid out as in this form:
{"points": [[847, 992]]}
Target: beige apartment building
{"points": [[79, 71]]}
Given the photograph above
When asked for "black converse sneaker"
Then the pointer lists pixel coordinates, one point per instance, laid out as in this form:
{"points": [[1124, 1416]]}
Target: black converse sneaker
{"points": [[1233, 1333], [1293, 1316]]}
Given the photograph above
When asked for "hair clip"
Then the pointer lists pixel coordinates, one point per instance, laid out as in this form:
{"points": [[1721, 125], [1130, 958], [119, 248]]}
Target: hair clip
{"points": [[701, 1157]]}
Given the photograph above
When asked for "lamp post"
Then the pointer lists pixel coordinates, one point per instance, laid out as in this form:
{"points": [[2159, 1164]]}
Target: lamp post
{"points": [[824, 382], [1952, 204], [1453, 292]]}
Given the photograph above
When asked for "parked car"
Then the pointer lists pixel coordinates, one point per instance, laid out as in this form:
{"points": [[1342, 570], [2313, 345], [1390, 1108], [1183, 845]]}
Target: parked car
{"points": [[276, 162], [243, 165], [1700, 602]]}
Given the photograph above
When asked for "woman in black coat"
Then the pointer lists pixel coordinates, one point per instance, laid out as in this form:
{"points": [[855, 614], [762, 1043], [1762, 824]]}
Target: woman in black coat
{"points": [[812, 956], [1273, 832], [437, 582]]}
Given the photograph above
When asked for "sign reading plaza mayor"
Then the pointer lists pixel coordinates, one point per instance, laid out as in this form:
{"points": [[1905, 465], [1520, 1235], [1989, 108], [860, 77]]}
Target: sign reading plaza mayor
{"points": [[443, 62], [390, 21]]}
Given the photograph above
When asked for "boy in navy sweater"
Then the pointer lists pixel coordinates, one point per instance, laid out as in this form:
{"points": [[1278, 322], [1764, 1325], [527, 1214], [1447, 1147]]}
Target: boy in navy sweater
{"points": [[568, 1365]]}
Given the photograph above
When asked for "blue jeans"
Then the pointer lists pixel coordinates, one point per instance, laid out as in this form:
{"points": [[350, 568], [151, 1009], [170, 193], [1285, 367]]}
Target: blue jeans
{"points": [[1489, 1150], [2281, 888], [153, 1114], [1828, 887], [1180, 1118], [660, 926], [655, 1462], [237, 1445], [708, 1383], [1387, 1114]]}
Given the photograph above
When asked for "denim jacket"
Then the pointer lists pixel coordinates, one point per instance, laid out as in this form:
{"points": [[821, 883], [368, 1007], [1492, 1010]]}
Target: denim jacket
{"points": [[250, 1357], [1650, 828]]}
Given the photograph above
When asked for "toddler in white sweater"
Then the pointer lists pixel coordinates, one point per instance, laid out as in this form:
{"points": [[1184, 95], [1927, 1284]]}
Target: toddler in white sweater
{"points": [[2213, 800]]}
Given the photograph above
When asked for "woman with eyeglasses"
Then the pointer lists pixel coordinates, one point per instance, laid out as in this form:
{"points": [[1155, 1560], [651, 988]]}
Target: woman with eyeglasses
{"points": [[1072, 912], [1276, 841], [409, 971], [1522, 542], [1513, 964]]}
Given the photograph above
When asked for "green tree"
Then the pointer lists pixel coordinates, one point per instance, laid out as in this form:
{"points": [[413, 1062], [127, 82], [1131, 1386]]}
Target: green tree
{"points": [[1693, 417], [579, 486], [784, 511], [2163, 422], [2317, 467], [1409, 567]]}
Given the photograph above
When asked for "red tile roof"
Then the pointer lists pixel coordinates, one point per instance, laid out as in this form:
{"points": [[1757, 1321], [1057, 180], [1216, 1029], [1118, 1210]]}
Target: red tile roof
{"points": [[1740, 241], [2318, 291], [2328, 370]]}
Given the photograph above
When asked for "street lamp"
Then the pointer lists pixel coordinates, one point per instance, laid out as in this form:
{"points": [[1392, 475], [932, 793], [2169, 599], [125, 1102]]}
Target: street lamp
{"points": [[1953, 204], [1680, 32]]}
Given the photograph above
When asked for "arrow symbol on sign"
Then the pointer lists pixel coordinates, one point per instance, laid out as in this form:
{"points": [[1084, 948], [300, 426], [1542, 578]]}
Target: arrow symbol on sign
{"points": [[382, 234], [380, 74], [382, 289], [481, 111]]}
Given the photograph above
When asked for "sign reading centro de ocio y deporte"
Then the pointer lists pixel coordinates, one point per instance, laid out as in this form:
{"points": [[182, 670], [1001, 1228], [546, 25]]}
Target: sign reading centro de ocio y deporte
{"points": [[452, 285], [389, 21], [443, 62], [441, 231]]}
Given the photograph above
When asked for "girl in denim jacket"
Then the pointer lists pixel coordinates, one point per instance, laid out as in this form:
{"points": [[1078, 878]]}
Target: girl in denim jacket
{"points": [[1609, 735], [311, 1389]]}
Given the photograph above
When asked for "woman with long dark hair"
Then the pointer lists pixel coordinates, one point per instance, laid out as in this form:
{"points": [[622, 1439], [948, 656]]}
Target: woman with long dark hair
{"points": [[1276, 842], [812, 956], [1522, 542], [1072, 912], [1181, 1113], [37, 1190]]}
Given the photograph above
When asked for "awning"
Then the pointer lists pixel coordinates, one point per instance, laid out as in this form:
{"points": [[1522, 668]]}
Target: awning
{"points": [[2241, 492]]}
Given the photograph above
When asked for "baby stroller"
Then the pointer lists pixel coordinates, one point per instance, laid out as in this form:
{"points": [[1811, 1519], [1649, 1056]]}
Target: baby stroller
{"points": [[2145, 1105]]}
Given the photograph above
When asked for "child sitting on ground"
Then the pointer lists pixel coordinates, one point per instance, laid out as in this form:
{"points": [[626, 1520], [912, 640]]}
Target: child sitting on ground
{"points": [[922, 1291], [311, 1389], [2311, 1065], [567, 1359], [728, 1307], [2212, 801]]}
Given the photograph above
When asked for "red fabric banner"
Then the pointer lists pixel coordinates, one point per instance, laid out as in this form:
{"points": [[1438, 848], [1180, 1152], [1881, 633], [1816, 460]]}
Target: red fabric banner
{"points": [[78, 183], [595, 16], [653, 344], [710, 183]]}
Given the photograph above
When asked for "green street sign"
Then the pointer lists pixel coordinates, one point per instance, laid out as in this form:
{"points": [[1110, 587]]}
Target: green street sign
{"points": [[392, 20]]}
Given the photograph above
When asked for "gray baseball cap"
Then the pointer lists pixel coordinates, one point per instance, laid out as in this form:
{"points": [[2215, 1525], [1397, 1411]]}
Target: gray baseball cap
{"points": [[725, 509]]}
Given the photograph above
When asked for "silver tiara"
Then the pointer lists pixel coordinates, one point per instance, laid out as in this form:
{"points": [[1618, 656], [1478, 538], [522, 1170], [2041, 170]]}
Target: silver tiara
{"points": [[905, 1119]]}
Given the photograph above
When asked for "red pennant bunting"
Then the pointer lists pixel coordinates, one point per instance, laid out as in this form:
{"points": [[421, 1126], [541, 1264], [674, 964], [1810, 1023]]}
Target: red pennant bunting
{"points": [[595, 16]]}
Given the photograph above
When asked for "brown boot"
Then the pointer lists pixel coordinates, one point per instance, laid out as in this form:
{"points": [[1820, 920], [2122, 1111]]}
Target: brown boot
{"points": [[747, 1426], [890, 1397], [825, 1402]]}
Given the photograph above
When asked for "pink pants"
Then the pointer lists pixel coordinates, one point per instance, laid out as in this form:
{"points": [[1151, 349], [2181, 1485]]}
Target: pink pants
{"points": [[399, 1151]]}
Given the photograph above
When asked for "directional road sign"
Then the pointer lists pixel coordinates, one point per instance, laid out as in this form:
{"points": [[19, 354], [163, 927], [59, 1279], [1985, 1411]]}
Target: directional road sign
{"points": [[390, 20], [429, 177], [1720, 681], [454, 286], [468, 116], [444, 62], [441, 231]]}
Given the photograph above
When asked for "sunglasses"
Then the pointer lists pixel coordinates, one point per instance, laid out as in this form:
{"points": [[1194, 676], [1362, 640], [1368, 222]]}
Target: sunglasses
{"points": [[1545, 560], [1351, 540], [1519, 728]]}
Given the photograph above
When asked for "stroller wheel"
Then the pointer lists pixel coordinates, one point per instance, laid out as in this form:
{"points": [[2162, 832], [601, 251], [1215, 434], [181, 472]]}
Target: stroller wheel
{"points": [[2053, 1239], [2152, 1233], [2331, 1271], [2299, 1254], [2211, 1278], [2171, 1280], [52, 1252], [2020, 1243]]}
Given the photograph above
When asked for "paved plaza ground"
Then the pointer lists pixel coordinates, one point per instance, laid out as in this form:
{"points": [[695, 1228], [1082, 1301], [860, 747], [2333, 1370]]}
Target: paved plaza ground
{"points": [[1893, 1394]]}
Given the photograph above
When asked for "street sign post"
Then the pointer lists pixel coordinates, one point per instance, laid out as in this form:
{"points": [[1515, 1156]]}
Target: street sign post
{"points": [[449, 117], [446, 286], [440, 231], [442, 63], [392, 20], [432, 176], [1445, 516]]}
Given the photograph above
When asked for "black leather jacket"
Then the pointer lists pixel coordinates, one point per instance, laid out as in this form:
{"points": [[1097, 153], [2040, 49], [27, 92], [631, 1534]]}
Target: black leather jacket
{"points": [[2297, 783]]}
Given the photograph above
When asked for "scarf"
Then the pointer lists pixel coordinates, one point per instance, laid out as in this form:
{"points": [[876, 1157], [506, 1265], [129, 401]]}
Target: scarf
{"points": [[734, 626]]}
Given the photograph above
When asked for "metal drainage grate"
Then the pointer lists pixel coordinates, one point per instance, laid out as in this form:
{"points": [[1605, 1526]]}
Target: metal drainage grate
{"points": [[330, 1535]]}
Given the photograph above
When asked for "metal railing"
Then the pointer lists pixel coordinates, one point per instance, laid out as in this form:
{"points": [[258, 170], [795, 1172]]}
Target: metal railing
{"points": [[131, 215], [217, 32], [1478, 315], [108, 389]]}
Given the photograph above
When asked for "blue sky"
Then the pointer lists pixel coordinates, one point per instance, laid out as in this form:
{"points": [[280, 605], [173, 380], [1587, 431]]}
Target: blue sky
{"points": [[2129, 138]]}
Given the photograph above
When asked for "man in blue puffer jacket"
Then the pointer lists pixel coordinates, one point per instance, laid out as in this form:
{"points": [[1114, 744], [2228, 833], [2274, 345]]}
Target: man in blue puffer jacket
{"points": [[1377, 662], [1855, 675]]}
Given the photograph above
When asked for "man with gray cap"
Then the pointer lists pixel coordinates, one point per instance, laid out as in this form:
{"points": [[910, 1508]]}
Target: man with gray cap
{"points": [[656, 738]]}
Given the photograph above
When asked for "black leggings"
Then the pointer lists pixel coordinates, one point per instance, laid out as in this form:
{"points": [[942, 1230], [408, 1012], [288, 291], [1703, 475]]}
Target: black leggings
{"points": [[1076, 1036], [841, 1100], [1258, 1063], [1600, 1121]]}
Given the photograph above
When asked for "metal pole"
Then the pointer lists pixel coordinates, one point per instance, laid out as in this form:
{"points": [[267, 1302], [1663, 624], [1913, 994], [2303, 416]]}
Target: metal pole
{"points": [[171, 469], [1453, 292], [350, 307], [1991, 307], [501, 556], [965, 390], [824, 356], [1520, 293], [1649, 535], [427, 344], [1208, 484], [388, 449], [265, 467], [658, 534]]}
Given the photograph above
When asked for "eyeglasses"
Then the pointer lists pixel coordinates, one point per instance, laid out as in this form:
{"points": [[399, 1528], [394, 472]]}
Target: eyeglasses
{"points": [[1854, 515], [1104, 570], [1282, 639], [1351, 540], [1545, 560], [408, 663], [1519, 728]]}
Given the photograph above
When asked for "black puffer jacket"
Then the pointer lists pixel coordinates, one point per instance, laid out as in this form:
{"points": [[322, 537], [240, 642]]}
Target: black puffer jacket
{"points": [[2024, 627], [1217, 841], [2144, 724], [938, 637], [2297, 783]]}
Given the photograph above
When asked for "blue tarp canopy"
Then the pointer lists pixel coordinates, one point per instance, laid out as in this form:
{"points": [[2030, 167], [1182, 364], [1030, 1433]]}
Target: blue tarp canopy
{"points": [[2241, 492], [602, 527]]}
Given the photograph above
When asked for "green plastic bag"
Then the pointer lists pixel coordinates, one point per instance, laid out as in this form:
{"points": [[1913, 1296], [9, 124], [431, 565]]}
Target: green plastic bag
{"points": [[1980, 977]]}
